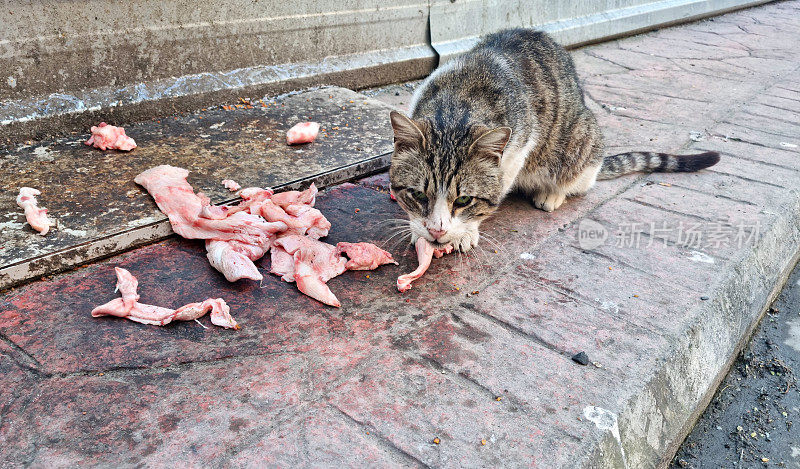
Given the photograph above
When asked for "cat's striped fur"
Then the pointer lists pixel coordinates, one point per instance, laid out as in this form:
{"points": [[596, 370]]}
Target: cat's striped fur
{"points": [[507, 115]]}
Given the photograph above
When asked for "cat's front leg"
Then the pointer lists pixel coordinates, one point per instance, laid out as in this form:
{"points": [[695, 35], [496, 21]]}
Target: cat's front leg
{"points": [[548, 201]]}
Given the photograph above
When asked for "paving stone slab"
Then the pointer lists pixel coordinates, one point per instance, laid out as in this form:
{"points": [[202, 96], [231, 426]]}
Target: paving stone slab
{"points": [[422, 406], [118, 419], [100, 211]]}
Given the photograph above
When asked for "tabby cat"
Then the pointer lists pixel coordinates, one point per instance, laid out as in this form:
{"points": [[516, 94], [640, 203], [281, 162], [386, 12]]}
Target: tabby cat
{"points": [[507, 115]]}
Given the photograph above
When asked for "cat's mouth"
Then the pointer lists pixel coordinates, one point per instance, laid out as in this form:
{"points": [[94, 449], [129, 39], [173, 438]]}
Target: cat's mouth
{"points": [[438, 245]]}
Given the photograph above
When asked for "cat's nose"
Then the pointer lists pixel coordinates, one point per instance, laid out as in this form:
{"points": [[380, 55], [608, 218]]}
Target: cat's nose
{"points": [[437, 233]]}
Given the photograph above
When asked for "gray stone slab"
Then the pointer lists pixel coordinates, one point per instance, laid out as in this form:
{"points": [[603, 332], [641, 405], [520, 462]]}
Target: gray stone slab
{"points": [[100, 210]]}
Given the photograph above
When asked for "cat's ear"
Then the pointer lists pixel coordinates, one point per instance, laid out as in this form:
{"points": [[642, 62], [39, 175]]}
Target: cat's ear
{"points": [[489, 143], [407, 132]]}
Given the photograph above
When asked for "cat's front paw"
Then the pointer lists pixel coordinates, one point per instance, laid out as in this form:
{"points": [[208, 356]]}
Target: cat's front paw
{"points": [[467, 241], [548, 201]]}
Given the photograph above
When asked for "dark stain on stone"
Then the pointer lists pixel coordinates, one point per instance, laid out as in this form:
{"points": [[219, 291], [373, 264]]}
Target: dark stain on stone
{"points": [[237, 424], [468, 331], [168, 423], [147, 451]]}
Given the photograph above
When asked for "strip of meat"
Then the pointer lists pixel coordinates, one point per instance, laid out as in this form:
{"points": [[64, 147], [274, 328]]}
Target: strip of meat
{"points": [[176, 198], [304, 132], [127, 286], [36, 217], [231, 185], [220, 313], [128, 307], [306, 197], [223, 256], [364, 256], [282, 263], [255, 194], [315, 263], [235, 259], [300, 219], [106, 137], [425, 253]]}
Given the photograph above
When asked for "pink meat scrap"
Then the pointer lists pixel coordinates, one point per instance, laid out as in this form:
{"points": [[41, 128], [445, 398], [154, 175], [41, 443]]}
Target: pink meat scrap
{"points": [[106, 137], [129, 307], [425, 253], [364, 256], [36, 217], [304, 132], [311, 263], [300, 219], [231, 185]]}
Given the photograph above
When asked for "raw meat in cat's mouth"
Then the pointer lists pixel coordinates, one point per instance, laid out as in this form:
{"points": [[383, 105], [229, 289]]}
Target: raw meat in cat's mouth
{"points": [[425, 253]]}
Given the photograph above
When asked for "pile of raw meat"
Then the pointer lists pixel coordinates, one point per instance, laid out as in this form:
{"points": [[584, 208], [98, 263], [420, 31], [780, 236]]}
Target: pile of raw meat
{"points": [[285, 223]]}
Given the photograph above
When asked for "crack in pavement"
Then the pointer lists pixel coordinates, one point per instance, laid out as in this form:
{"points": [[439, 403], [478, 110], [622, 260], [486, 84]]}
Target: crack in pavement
{"points": [[380, 438]]}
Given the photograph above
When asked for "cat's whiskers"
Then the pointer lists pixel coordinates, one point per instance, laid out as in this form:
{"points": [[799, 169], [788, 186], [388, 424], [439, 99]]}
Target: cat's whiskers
{"points": [[460, 262], [485, 270], [393, 221], [405, 231], [402, 240], [395, 229], [492, 241]]}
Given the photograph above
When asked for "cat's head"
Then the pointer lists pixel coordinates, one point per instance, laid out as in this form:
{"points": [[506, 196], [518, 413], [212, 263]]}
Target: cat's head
{"points": [[448, 181]]}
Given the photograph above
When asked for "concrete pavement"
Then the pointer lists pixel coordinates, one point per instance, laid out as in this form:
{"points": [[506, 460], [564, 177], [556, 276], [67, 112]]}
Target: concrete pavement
{"points": [[658, 279]]}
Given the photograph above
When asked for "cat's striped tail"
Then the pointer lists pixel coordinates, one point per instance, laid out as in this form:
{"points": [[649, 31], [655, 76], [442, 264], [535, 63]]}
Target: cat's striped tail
{"points": [[624, 163]]}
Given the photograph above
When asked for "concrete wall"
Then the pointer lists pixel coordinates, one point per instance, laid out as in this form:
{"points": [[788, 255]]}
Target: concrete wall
{"points": [[457, 25], [64, 64], [62, 46]]}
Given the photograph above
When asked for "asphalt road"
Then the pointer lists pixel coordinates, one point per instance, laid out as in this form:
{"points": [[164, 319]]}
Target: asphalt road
{"points": [[754, 419]]}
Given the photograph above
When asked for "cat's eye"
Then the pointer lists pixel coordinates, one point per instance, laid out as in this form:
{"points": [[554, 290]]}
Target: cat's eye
{"points": [[419, 195], [463, 201]]}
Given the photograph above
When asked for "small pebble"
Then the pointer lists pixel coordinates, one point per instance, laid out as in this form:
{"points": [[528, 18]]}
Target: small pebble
{"points": [[581, 358], [704, 298]]}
